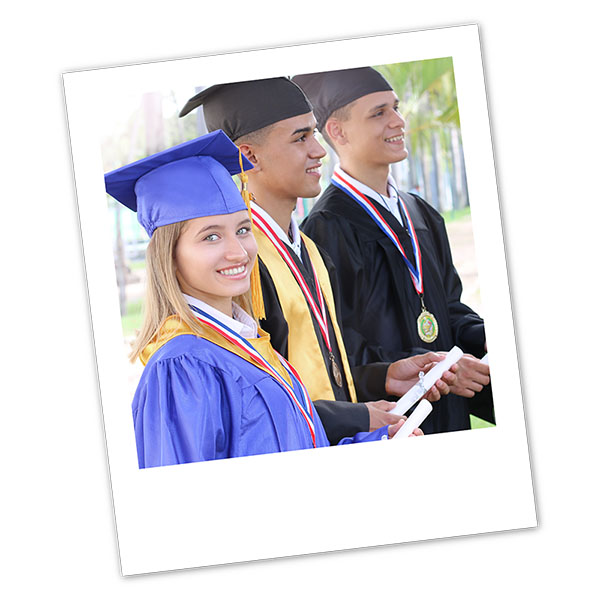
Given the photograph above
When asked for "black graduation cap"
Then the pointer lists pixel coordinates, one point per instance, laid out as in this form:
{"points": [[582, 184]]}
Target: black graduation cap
{"points": [[330, 90], [247, 106]]}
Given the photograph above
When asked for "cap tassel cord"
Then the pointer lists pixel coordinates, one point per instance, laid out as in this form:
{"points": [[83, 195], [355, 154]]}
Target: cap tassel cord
{"points": [[258, 306]]}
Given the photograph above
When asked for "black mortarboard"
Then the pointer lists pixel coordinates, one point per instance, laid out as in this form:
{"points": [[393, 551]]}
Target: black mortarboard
{"points": [[331, 90], [247, 106]]}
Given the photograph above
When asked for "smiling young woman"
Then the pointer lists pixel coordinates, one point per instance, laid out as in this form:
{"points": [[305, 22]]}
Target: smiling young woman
{"points": [[212, 386]]}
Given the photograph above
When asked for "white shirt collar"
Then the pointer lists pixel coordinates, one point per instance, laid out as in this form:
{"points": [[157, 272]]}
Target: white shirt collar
{"points": [[390, 202], [296, 243], [241, 323]]}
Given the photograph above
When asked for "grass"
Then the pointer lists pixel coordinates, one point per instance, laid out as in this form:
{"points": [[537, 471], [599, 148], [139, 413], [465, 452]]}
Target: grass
{"points": [[477, 423]]}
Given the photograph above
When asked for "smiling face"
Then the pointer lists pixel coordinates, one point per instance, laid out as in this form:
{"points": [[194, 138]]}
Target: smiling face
{"points": [[214, 257], [374, 130], [289, 159]]}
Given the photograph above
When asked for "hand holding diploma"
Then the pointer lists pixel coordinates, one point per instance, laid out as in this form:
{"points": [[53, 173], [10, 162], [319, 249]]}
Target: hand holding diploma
{"points": [[410, 426], [473, 374], [411, 430], [380, 415], [402, 375], [428, 381]]}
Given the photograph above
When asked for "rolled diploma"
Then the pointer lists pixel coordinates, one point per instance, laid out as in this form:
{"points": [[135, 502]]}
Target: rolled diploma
{"points": [[416, 418], [485, 360], [417, 391]]}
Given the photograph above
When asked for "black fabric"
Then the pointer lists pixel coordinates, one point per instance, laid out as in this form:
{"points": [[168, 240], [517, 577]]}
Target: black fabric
{"points": [[369, 380], [405, 241], [330, 90], [243, 107], [378, 304], [342, 419]]}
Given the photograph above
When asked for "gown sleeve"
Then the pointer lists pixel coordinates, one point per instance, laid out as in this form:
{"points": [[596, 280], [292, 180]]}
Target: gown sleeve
{"points": [[364, 436], [369, 379], [181, 413], [467, 326]]}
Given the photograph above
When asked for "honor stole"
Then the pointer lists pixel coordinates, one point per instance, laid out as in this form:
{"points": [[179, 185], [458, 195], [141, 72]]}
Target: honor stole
{"points": [[173, 327], [304, 350]]}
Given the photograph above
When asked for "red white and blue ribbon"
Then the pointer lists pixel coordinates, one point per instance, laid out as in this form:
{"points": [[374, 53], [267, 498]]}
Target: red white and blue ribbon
{"points": [[318, 311], [301, 401], [416, 272]]}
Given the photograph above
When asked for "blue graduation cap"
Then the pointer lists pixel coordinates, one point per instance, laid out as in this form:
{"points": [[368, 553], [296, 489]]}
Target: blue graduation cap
{"points": [[187, 181]]}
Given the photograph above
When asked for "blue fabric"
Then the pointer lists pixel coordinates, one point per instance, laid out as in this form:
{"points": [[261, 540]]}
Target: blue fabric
{"points": [[365, 436], [187, 181], [197, 401]]}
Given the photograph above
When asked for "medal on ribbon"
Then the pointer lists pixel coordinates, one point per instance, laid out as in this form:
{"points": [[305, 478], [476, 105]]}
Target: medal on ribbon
{"points": [[317, 307], [427, 326]]}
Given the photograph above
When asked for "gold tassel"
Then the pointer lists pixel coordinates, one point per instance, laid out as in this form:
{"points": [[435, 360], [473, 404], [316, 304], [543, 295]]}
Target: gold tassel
{"points": [[258, 306]]}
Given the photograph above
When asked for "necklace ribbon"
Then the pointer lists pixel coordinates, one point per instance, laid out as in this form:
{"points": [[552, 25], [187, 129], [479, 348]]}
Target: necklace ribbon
{"points": [[416, 272], [301, 401], [318, 311], [427, 326]]}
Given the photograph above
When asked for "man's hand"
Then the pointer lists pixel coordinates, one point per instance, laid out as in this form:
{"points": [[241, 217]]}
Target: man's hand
{"points": [[472, 375], [379, 414], [393, 429], [403, 374]]}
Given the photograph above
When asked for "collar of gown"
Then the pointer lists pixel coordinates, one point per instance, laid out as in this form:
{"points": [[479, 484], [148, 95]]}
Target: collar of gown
{"points": [[390, 202], [241, 322], [295, 244]]}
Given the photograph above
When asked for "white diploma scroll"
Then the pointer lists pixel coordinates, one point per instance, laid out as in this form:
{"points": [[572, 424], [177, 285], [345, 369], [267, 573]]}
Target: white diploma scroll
{"points": [[427, 381], [416, 418], [485, 360]]}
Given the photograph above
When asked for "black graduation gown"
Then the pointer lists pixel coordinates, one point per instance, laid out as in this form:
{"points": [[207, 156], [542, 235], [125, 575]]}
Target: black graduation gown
{"points": [[378, 303], [341, 418]]}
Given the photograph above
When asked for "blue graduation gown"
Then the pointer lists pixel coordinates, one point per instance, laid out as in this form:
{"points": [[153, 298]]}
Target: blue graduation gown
{"points": [[197, 401]]}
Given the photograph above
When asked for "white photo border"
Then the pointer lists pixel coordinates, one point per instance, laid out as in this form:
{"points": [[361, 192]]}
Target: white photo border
{"points": [[316, 500]]}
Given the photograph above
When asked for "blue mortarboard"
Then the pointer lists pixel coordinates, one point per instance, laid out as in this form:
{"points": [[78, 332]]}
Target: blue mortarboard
{"points": [[184, 182]]}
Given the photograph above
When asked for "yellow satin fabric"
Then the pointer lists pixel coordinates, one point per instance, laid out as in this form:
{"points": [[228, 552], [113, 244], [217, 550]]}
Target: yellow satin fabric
{"points": [[173, 326], [304, 351]]}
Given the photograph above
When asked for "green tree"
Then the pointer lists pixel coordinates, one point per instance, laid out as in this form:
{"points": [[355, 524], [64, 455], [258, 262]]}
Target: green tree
{"points": [[427, 94]]}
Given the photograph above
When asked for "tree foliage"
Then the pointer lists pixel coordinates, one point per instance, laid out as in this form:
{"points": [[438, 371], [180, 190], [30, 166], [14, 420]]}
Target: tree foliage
{"points": [[428, 102]]}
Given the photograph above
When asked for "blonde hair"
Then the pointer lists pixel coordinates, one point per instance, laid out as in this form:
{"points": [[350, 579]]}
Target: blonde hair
{"points": [[163, 294]]}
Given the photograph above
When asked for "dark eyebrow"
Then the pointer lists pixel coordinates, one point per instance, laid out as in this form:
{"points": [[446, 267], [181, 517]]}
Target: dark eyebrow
{"points": [[303, 130], [379, 106]]}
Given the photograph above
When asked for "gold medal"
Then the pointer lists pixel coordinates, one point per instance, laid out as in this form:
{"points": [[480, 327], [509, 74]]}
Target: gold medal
{"points": [[427, 327], [337, 374]]}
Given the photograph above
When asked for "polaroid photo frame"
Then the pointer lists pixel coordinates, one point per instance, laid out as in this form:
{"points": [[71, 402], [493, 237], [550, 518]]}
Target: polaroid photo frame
{"points": [[309, 501]]}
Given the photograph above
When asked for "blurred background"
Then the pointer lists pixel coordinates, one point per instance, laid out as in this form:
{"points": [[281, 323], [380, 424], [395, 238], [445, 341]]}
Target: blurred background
{"points": [[139, 126]]}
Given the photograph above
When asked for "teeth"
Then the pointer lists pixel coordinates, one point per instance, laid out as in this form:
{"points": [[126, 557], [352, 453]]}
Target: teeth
{"points": [[313, 170], [395, 139], [235, 271]]}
